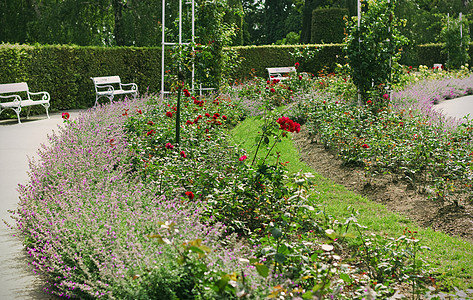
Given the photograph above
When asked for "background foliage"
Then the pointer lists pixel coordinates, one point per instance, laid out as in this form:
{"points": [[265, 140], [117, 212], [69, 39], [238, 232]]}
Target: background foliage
{"points": [[328, 25]]}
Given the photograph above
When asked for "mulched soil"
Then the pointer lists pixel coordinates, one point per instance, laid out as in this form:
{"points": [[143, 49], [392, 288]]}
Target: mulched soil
{"points": [[395, 195]]}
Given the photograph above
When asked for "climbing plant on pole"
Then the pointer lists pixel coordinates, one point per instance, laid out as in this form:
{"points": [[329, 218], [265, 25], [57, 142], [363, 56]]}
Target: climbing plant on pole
{"points": [[374, 48]]}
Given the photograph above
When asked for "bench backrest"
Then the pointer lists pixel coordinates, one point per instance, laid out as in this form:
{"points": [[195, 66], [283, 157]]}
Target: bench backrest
{"points": [[280, 71], [13, 87], [106, 80]]}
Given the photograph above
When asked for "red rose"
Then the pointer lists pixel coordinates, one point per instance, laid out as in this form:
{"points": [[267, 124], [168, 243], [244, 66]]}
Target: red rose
{"points": [[169, 114], [151, 132], [296, 65], [243, 158], [190, 195], [150, 123], [66, 116], [273, 90], [224, 117], [186, 93], [365, 146], [169, 146], [183, 154]]}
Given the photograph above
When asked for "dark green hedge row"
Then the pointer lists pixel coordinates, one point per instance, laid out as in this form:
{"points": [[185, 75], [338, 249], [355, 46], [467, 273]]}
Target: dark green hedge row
{"points": [[65, 71], [328, 25], [258, 58], [430, 54]]}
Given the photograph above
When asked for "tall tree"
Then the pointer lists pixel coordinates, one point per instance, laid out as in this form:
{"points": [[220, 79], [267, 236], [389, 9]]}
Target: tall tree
{"points": [[275, 12]]}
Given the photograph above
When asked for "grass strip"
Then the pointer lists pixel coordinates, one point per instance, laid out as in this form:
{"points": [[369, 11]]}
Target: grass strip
{"points": [[450, 257]]}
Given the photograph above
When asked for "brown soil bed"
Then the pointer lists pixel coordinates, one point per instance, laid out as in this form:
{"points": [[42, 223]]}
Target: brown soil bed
{"points": [[396, 196]]}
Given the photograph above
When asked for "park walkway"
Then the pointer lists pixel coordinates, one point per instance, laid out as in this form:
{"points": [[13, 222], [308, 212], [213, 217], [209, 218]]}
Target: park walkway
{"points": [[18, 142]]}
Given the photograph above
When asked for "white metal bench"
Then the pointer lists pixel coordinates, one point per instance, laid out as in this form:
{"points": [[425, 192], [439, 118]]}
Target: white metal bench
{"points": [[109, 86], [14, 92], [280, 73]]}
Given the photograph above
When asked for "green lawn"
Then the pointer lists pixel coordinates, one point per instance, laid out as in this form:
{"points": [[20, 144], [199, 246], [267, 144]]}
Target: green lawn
{"points": [[450, 257]]}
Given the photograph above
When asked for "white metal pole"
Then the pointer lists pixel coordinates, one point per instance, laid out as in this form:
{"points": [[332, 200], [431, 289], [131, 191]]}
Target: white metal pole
{"points": [[180, 22], [162, 47], [359, 14], [359, 42], [192, 39]]}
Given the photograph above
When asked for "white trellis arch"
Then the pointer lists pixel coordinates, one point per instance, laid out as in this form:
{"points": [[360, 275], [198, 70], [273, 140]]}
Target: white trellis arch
{"points": [[180, 42]]}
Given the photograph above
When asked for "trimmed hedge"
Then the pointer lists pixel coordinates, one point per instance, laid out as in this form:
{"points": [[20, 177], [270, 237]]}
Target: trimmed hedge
{"points": [[261, 57], [430, 54], [328, 25], [65, 71]]}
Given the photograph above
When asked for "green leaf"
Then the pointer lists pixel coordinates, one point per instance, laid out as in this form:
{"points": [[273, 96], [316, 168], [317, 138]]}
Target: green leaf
{"points": [[222, 282], [283, 249], [276, 232], [307, 295], [345, 278], [266, 140], [280, 258], [196, 250], [262, 270]]}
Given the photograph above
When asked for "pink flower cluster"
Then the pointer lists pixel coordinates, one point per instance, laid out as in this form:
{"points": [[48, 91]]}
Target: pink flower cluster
{"points": [[288, 125]]}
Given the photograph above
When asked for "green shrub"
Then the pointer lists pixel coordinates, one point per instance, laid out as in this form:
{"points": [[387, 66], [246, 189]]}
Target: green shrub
{"points": [[261, 57], [65, 71], [328, 25]]}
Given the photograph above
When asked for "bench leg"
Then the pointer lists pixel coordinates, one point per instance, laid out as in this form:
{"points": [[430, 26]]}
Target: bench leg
{"points": [[18, 110], [46, 107]]}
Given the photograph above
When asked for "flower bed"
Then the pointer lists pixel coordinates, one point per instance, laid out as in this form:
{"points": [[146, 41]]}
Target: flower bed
{"points": [[115, 208]]}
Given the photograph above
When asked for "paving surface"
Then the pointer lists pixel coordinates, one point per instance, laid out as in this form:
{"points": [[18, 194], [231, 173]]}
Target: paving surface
{"points": [[457, 107], [18, 143]]}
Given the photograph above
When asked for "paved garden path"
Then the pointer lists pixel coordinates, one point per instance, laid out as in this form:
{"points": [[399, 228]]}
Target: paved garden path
{"points": [[457, 107], [18, 142]]}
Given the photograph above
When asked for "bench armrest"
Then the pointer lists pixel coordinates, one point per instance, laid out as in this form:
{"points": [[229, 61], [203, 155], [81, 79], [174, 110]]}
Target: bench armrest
{"points": [[16, 98], [134, 87], [45, 95], [109, 88]]}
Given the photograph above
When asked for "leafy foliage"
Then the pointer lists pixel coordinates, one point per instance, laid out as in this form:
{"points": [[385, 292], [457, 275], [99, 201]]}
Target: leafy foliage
{"points": [[456, 44], [373, 49]]}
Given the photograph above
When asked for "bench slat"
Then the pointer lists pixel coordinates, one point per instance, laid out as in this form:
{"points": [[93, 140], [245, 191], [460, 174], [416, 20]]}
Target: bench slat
{"points": [[13, 87], [282, 70], [106, 80]]}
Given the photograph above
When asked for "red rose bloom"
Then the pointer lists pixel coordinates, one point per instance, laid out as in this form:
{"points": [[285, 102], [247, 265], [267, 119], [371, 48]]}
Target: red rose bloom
{"points": [[183, 154], [224, 117], [243, 158], [273, 90], [296, 65], [151, 132], [169, 114], [150, 123], [190, 195], [169, 146], [66, 116], [365, 146], [186, 93]]}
